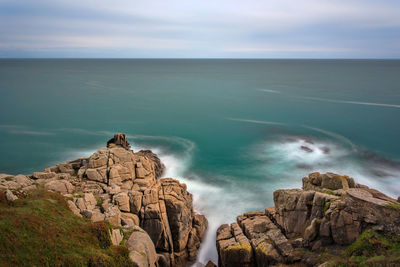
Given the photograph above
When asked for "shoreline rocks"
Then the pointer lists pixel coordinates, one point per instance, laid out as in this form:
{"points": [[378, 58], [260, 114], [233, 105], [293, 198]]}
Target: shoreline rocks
{"points": [[330, 211], [122, 187]]}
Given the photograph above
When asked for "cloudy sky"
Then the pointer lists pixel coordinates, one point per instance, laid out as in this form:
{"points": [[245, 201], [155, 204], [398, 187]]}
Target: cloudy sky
{"points": [[200, 28]]}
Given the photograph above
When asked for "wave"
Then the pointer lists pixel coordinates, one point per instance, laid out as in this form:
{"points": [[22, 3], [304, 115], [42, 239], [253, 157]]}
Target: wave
{"points": [[340, 101], [290, 158], [22, 129], [269, 91], [332, 134], [256, 121], [350, 102], [86, 132]]}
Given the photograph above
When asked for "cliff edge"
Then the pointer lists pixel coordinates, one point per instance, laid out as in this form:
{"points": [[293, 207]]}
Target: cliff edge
{"points": [[328, 214], [154, 216]]}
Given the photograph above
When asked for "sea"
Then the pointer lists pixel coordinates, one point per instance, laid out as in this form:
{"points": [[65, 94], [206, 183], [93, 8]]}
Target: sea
{"points": [[233, 130]]}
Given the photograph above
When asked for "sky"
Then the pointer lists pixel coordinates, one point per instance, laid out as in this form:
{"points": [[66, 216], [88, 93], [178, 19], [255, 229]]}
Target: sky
{"points": [[200, 28]]}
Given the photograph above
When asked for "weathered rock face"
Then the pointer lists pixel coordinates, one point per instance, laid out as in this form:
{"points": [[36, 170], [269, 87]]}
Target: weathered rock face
{"points": [[119, 139], [122, 187], [142, 250], [330, 210]]}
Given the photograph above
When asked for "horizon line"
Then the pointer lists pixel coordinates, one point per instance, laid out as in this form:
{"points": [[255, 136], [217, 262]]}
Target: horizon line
{"points": [[219, 58]]}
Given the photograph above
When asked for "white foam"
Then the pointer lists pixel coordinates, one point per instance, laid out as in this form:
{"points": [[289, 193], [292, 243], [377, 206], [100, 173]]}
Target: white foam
{"points": [[288, 160], [269, 91], [340, 101], [256, 121], [350, 102]]}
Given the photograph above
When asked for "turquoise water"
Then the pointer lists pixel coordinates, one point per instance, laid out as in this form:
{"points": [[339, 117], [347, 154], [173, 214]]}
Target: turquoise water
{"points": [[231, 129]]}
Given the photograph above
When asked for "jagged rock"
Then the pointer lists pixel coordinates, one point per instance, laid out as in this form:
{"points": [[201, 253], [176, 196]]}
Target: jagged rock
{"points": [[142, 250], [87, 213], [23, 180], [28, 188], [154, 219], [61, 186], [330, 210], [113, 215], [179, 209], [73, 208], [97, 216], [116, 237], [116, 165], [119, 139], [120, 186], [5, 175], [69, 167], [311, 232], [199, 228], [44, 175], [135, 201], [234, 249], [129, 220], [90, 201], [122, 201], [80, 204], [10, 196], [91, 187], [159, 166], [331, 181], [12, 185]]}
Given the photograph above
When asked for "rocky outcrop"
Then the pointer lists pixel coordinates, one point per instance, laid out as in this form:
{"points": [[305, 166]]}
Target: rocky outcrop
{"points": [[119, 139], [331, 210], [122, 187]]}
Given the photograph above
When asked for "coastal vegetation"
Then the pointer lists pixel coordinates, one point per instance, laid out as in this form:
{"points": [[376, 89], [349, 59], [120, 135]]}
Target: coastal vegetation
{"points": [[39, 229]]}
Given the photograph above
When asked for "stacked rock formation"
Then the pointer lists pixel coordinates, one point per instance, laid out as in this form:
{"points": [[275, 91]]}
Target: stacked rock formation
{"points": [[331, 210], [122, 187]]}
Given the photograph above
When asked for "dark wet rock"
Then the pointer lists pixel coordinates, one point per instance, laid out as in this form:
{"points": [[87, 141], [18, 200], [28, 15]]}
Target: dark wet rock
{"points": [[308, 141], [325, 149], [304, 166], [306, 149], [377, 159], [210, 264], [380, 173]]}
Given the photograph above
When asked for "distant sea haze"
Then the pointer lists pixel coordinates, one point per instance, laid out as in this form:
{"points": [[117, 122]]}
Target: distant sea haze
{"points": [[232, 130]]}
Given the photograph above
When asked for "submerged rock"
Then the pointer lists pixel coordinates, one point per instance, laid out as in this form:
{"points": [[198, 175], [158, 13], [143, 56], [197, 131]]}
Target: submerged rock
{"points": [[306, 149]]}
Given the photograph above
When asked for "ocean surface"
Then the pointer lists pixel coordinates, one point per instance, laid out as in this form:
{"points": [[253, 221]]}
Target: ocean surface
{"points": [[233, 130]]}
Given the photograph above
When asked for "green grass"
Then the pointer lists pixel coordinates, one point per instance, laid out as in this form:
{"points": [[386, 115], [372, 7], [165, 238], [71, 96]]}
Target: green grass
{"points": [[393, 205], [327, 205], [40, 230], [370, 249]]}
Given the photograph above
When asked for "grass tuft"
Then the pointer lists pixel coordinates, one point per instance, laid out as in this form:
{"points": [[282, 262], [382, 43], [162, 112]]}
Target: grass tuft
{"points": [[370, 249]]}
